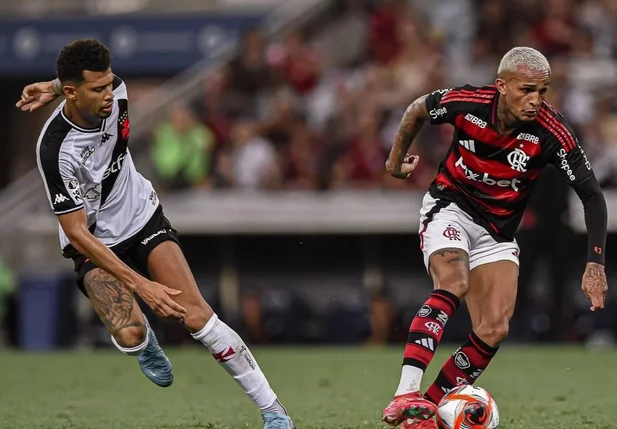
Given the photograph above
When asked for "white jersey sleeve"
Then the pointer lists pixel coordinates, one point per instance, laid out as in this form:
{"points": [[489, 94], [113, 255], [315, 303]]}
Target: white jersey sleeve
{"points": [[57, 167]]}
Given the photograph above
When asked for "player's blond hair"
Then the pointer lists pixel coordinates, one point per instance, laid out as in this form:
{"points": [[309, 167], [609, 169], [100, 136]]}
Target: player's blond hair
{"points": [[522, 55]]}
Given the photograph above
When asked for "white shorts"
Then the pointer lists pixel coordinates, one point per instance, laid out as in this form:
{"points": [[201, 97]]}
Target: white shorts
{"points": [[449, 226]]}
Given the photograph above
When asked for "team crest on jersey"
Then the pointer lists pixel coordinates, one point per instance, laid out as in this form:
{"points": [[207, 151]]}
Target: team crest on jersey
{"points": [[73, 187], [518, 160], [452, 233]]}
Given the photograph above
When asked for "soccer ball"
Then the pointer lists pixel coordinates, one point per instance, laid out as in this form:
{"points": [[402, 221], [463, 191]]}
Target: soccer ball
{"points": [[467, 407]]}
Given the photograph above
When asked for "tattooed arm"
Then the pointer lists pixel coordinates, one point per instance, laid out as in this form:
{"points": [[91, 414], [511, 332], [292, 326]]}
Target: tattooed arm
{"points": [[37, 95], [594, 280], [399, 164]]}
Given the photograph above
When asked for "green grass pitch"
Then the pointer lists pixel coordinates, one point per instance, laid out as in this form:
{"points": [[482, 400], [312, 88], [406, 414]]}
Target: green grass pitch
{"points": [[338, 388]]}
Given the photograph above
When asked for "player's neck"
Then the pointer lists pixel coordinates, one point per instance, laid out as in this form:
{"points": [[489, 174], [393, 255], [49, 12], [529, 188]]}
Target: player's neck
{"points": [[75, 116], [505, 122]]}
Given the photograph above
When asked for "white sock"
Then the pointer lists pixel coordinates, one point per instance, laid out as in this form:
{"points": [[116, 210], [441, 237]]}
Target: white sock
{"points": [[231, 352], [132, 351], [411, 379]]}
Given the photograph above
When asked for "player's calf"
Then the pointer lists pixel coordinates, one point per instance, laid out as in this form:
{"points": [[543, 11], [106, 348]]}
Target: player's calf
{"points": [[490, 301], [464, 367], [493, 331], [232, 354], [449, 269], [167, 265], [129, 329]]}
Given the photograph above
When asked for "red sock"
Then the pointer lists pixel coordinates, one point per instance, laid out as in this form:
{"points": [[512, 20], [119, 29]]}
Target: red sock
{"points": [[427, 328], [463, 367]]}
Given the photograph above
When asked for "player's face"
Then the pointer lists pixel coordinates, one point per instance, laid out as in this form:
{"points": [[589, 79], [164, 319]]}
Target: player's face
{"points": [[94, 95], [524, 92]]}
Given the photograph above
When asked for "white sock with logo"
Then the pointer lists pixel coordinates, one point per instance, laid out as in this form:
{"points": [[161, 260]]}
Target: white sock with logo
{"points": [[230, 351]]}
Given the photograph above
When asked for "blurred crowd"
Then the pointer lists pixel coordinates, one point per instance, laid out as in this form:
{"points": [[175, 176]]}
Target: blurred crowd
{"points": [[319, 108]]}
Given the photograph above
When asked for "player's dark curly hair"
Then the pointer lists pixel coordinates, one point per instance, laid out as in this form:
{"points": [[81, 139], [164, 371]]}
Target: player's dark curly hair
{"points": [[80, 55]]}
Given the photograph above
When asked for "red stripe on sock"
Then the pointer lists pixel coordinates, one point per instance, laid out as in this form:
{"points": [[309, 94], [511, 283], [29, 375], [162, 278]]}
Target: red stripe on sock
{"points": [[434, 394], [428, 324]]}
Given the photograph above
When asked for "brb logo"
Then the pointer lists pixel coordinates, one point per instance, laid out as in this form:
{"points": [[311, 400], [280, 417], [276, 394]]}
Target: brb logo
{"points": [[485, 178], [475, 120], [528, 138]]}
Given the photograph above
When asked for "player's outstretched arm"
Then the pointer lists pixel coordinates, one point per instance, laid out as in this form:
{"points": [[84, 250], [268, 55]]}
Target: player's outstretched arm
{"points": [[156, 295], [37, 95], [399, 163], [594, 284]]}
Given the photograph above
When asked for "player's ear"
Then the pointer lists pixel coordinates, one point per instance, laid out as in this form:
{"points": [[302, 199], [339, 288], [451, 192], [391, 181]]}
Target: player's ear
{"points": [[501, 85], [70, 91]]}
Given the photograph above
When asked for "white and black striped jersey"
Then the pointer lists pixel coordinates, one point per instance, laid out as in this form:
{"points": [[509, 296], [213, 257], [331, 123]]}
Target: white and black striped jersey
{"points": [[92, 169]]}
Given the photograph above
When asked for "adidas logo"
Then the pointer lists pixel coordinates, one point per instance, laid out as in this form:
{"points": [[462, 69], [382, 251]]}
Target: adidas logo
{"points": [[427, 343], [470, 145]]}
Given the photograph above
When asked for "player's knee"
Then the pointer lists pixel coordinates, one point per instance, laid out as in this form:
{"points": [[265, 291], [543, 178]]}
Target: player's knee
{"points": [[131, 336], [197, 316], [494, 332]]}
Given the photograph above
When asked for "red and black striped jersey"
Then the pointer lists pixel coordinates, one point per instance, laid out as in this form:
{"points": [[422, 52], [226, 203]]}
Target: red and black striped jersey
{"points": [[490, 176]]}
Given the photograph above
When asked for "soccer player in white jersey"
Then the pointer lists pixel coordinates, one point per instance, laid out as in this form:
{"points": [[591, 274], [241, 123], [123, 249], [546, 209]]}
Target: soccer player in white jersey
{"points": [[113, 228]]}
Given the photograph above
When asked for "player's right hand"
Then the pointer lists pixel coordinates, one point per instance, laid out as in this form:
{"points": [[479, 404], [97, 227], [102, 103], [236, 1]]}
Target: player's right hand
{"points": [[404, 171], [594, 285], [158, 297], [35, 96]]}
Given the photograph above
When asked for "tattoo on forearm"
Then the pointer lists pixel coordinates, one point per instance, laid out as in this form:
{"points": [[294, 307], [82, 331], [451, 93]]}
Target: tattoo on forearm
{"points": [[452, 255], [410, 126], [111, 300]]}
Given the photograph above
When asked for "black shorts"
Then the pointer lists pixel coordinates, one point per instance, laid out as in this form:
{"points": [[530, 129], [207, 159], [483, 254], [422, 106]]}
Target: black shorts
{"points": [[133, 251]]}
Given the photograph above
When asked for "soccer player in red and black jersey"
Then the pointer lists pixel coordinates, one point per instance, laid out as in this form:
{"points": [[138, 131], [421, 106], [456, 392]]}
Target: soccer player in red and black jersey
{"points": [[505, 134]]}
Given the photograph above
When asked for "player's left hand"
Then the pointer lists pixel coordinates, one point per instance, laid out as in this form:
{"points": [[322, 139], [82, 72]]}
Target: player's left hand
{"points": [[595, 285], [35, 96]]}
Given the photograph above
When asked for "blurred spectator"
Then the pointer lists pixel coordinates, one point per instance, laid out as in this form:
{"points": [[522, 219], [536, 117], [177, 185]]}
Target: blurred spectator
{"points": [[362, 164], [253, 157], [299, 160], [249, 74], [554, 33], [381, 319], [181, 149], [324, 121], [252, 317], [297, 62], [383, 42]]}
